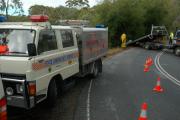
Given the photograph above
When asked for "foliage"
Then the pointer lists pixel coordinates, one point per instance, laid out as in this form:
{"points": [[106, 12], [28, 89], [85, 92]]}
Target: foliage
{"points": [[18, 18], [134, 17], [54, 13], [77, 3], [15, 6], [120, 18]]}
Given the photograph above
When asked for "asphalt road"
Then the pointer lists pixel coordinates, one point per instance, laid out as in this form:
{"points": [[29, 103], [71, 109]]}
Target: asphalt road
{"points": [[117, 94], [64, 110]]}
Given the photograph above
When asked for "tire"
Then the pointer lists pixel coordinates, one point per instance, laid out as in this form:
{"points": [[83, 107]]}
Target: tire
{"points": [[177, 51], [95, 70], [100, 66], [147, 46], [52, 94]]}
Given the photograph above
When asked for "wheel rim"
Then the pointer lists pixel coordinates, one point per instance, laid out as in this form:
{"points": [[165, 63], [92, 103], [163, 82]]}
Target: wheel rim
{"points": [[95, 70]]}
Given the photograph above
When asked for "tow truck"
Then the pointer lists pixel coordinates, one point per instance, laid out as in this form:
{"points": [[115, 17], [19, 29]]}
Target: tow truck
{"points": [[39, 58], [176, 43], [157, 39]]}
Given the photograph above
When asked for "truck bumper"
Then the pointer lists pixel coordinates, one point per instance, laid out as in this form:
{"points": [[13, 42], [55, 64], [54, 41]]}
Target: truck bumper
{"points": [[20, 101], [16, 101]]}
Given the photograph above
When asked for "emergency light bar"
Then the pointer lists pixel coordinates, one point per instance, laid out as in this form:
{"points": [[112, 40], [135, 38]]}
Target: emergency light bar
{"points": [[2, 19], [39, 18], [100, 26]]}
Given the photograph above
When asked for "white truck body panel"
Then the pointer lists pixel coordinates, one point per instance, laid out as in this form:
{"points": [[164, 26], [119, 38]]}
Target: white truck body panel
{"points": [[15, 65], [42, 68], [94, 44]]}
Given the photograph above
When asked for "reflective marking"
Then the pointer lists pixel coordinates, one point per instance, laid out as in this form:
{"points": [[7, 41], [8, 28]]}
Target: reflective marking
{"points": [[158, 83], [70, 62], [143, 114], [165, 73], [38, 66], [88, 101], [45, 64]]}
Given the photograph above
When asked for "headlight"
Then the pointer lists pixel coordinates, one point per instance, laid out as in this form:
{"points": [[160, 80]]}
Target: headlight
{"points": [[9, 91], [19, 88]]}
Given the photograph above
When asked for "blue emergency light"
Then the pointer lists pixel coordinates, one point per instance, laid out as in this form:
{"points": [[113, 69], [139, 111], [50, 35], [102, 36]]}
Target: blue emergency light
{"points": [[2, 19], [100, 26]]}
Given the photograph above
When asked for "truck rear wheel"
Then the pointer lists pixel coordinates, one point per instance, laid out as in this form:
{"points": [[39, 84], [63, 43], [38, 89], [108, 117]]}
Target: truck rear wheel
{"points": [[95, 70], [100, 66], [177, 51], [52, 94]]}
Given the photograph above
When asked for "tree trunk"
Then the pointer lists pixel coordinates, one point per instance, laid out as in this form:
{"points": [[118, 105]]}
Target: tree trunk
{"points": [[7, 8]]}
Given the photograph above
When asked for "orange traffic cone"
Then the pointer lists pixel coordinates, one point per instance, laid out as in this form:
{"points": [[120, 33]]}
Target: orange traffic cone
{"points": [[143, 115], [150, 61], [158, 87], [146, 68], [147, 62]]}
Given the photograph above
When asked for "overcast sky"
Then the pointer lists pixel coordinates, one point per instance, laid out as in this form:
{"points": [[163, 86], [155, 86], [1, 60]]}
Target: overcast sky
{"points": [[52, 3]]}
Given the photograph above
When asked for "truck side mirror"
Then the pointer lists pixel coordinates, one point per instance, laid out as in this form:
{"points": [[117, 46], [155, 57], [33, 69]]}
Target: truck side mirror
{"points": [[31, 47]]}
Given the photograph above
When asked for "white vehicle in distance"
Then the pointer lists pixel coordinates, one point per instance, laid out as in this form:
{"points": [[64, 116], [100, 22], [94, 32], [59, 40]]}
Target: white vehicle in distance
{"points": [[37, 59]]}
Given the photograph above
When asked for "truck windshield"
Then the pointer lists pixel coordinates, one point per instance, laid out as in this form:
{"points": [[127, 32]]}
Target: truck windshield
{"points": [[14, 41]]}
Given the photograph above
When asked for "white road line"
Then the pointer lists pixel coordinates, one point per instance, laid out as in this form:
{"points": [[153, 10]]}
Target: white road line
{"points": [[88, 102], [165, 73]]}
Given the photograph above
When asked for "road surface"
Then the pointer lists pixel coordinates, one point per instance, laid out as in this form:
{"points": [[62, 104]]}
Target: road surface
{"points": [[117, 94]]}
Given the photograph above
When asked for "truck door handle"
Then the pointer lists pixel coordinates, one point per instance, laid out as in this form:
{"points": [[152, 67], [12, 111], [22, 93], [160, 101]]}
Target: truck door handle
{"points": [[40, 61]]}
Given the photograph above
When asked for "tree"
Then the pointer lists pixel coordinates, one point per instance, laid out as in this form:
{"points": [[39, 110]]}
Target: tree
{"points": [[40, 9], [135, 17], [22, 18], [15, 6], [54, 14], [122, 16], [77, 3], [155, 13]]}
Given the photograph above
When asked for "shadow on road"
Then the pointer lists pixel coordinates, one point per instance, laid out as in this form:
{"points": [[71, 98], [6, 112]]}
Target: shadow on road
{"points": [[64, 109]]}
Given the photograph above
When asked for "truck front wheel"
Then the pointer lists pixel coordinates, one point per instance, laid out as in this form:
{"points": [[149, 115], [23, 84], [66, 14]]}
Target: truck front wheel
{"points": [[100, 66], [52, 94]]}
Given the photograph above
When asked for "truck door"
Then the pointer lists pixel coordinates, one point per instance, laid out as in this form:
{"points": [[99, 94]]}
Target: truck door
{"points": [[43, 66], [70, 51]]}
